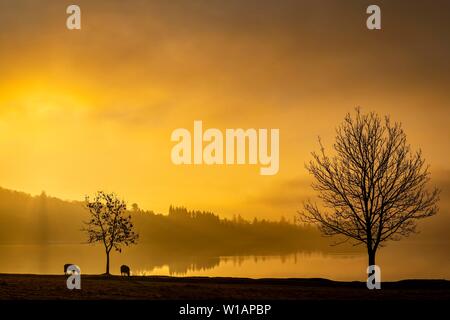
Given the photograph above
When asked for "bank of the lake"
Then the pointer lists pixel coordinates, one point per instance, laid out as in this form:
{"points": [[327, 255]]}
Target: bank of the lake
{"points": [[96, 287]]}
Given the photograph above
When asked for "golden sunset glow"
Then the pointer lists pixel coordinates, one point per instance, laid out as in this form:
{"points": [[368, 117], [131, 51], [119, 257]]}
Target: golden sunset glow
{"points": [[94, 109]]}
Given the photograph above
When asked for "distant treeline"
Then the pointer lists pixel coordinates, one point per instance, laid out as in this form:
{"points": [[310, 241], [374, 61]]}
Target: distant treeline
{"points": [[26, 219], [188, 230]]}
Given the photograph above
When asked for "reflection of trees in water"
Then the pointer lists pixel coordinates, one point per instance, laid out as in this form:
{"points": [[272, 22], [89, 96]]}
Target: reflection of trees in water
{"points": [[284, 258], [177, 265], [193, 264], [181, 263]]}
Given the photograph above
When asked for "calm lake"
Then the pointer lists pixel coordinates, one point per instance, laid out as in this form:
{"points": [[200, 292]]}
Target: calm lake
{"points": [[398, 261]]}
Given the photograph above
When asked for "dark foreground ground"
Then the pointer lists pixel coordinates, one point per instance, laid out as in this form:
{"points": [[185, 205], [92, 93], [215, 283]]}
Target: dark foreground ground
{"points": [[49, 287]]}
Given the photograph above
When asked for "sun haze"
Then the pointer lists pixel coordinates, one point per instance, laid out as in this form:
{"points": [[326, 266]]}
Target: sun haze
{"points": [[92, 109]]}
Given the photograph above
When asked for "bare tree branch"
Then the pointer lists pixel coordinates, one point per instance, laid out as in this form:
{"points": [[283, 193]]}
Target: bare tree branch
{"points": [[374, 188]]}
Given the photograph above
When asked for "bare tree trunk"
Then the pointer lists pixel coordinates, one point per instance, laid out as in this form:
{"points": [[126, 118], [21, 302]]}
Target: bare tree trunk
{"points": [[373, 157], [107, 262], [371, 254], [371, 258]]}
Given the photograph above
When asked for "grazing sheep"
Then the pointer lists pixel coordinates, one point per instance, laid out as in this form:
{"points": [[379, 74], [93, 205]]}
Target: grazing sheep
{"points": [[66, 266], [124, 270]]}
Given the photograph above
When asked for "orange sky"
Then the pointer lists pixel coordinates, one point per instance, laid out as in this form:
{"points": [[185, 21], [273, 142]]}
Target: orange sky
{"points": [[94, 109]]}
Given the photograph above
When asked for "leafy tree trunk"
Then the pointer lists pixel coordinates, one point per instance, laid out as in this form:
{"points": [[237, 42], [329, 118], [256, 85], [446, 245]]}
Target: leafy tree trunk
{"points": [[107, 262], [109, 224]]}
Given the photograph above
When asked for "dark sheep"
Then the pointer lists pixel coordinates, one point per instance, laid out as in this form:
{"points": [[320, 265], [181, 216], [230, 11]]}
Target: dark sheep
{"points": [[66, 266], [125, 270]]}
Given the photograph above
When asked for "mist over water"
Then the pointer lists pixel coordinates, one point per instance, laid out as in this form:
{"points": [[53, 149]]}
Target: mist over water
{"points": [[40, 234], [400, 261]]}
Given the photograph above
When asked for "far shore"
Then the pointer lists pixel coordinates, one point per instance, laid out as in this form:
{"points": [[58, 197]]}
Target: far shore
{"points": [[101, 287]]}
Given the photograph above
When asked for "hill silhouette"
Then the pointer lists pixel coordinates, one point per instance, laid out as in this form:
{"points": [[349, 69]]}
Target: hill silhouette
{"points": [[181, 239], [42, 219]]}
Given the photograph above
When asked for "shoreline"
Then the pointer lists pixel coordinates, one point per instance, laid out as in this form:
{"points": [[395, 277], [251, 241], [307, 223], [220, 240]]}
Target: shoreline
{"points": [[101, 287]]}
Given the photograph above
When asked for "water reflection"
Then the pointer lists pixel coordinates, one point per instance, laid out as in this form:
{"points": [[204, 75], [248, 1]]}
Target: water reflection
{"points": [[397, 262]]}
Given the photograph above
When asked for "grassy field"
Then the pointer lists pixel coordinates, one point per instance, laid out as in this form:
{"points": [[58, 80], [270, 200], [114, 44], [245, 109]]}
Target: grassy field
{"points": [[49, 287]]}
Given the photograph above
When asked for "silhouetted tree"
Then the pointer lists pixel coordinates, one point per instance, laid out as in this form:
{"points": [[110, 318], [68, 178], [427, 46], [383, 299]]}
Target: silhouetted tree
{"points": [[135, 208], [108, 224], [373, 188]]}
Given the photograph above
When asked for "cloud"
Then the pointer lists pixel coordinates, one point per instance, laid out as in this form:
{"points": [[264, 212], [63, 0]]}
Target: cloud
{"points": [[288, 196], [294, 65], [285, 195], [154, 115]]}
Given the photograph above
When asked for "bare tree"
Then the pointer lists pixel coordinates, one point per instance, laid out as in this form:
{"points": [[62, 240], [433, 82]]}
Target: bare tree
{"points": [[373, 188], [108, 223]]}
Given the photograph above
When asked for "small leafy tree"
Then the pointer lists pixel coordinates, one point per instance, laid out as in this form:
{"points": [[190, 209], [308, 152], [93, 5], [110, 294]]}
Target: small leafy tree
{"points": [[108, 223]]}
